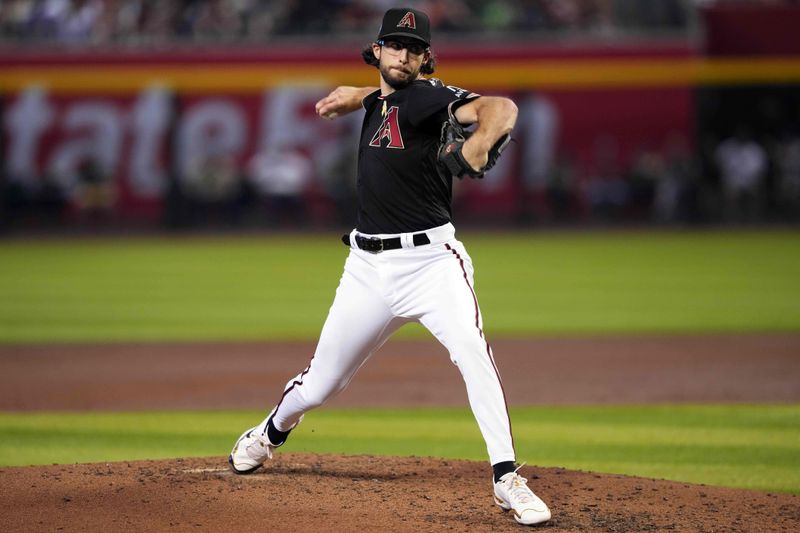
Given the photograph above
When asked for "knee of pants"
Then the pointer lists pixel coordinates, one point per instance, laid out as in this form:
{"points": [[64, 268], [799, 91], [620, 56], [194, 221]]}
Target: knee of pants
{"points": [[465, 353], [315, 396]]}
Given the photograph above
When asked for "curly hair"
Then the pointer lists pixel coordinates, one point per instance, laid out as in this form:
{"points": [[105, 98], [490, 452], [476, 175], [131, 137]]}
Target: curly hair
{"points": [[369, 58]]}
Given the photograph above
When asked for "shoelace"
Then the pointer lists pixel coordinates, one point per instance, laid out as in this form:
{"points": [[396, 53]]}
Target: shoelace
{"points": [[259, 446], [518, 489]]}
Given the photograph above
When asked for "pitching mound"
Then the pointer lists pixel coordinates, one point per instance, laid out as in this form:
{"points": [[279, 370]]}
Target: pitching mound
{"points": [[304, 492]]}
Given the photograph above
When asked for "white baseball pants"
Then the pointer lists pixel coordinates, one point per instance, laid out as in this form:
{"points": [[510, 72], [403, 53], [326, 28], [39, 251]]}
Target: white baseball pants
{"points": [[431, 284]]}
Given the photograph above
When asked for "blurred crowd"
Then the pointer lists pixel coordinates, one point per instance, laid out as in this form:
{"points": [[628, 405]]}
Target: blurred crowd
{"points": [[154, 21], [141, 22], [741, 179]]}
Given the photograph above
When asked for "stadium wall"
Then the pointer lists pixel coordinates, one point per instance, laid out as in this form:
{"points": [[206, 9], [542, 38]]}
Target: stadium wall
{"points": [[150, 122]]}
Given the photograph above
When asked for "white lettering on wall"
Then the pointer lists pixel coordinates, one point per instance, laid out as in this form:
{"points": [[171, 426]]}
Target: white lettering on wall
{"points": [[151, 117], [540, 120], [282, 120], [25, 122], [288, 121], [98, 130], [210, 128]]}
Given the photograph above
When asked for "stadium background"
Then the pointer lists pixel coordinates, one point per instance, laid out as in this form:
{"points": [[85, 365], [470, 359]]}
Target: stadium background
{"points": [[190, 125], [199, 120]]}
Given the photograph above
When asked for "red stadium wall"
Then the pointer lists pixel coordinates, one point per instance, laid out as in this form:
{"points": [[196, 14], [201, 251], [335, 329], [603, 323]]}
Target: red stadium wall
{"points": [[582, 105], [149, 117]]}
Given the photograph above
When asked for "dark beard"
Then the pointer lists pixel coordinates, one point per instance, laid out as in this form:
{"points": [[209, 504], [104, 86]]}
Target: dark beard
{"points": [[396, 84]]}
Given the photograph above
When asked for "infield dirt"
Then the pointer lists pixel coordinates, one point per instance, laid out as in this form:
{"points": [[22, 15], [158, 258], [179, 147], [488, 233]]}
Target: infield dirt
{"points": [[303, 492], [541, 371]]}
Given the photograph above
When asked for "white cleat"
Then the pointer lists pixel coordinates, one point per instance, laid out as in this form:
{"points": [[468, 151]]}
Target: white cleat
{"points": [[511, 493], [250, 452]]}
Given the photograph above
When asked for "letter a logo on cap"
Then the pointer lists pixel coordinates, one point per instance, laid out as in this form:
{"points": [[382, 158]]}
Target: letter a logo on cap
{"points": [[408, 21]]}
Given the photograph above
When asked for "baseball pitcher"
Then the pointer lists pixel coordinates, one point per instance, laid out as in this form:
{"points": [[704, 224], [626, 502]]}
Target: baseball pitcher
{"points": [[405, 263]]}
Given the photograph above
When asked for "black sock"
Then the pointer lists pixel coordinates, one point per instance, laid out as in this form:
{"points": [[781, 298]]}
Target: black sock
{"points": [[276, 437], [501, 469]]}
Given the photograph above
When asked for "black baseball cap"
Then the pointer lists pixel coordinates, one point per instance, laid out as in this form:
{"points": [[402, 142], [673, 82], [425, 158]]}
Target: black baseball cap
{"points": [[406, 22]]}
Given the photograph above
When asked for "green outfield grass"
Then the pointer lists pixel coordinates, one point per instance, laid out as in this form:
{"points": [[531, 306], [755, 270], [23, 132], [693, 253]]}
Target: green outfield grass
{"points": [[755, 447], [280, 287]]}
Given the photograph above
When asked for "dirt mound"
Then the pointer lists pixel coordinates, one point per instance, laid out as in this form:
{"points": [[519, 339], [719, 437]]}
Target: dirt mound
{"points": [[305, 492]]}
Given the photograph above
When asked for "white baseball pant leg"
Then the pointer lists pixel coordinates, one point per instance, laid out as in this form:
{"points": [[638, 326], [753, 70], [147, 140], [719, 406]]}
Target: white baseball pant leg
{"points": [[359, 322], [378, 293], [444, 301]]}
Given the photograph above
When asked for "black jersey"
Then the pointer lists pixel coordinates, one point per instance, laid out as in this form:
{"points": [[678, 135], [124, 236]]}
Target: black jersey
{"points": [[401, 188]]}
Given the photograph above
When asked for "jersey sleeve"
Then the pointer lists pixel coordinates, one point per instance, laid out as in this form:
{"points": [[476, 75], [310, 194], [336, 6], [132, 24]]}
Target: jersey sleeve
{"points": [[436, 99]]}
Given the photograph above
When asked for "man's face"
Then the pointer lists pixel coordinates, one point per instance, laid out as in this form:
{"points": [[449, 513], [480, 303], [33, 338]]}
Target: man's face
{"points": [[400, 61]]}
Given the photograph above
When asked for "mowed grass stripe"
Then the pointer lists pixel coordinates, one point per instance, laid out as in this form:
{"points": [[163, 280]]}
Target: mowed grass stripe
{"points": [[278, 287], [679, 282], [164, 289], [755, 447]]}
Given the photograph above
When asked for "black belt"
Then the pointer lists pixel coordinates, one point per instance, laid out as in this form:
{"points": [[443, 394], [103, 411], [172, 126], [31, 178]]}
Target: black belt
{"points": [[377, 245]]}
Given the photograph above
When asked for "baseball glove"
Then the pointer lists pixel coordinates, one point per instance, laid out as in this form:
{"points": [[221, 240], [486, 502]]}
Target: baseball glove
{"points": [[452, 140]]}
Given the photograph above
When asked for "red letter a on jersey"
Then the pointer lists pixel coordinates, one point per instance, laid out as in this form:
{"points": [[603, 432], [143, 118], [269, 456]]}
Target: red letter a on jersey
{"points": [[389, 129]]}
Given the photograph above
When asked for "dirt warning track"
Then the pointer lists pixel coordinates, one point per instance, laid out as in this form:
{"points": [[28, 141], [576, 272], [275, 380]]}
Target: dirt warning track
{"points": [[593, 370]]}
